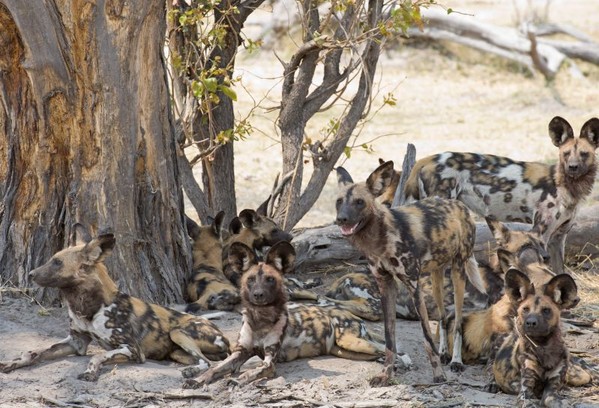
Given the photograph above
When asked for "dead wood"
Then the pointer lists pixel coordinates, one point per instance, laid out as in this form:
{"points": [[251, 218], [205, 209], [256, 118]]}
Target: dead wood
{"points": [[408, 163]]}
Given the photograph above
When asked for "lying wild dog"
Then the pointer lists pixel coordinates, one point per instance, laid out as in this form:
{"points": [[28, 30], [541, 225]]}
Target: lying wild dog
{"points": [[359, 293], [208, 288], [536, 193], [128, 328], [533, 360], [485, 330], [259, 232], [277, 331], [254, 229], [403, 243]]}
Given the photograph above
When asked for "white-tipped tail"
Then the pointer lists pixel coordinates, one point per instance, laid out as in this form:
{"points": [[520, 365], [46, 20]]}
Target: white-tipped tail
{"points": [[474, 275]]}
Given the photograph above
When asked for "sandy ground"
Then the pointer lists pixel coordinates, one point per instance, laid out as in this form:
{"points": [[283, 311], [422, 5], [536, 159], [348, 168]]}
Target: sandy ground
{"points": [[448, 98]]}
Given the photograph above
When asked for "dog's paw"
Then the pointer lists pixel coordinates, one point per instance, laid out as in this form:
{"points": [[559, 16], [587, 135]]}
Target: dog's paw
{"points": [[191, 371], [491, 387], [380, 380], [445, 358], [7, 367], [190, 384], [438, 379], [456, 366], [88, 376]]}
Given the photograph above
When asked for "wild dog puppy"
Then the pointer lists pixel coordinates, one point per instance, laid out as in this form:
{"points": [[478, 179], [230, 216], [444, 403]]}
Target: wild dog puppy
{"points": [[533, 360], [128, 328], [544, 195], [208, 288], [403, 243], [277, 331]]}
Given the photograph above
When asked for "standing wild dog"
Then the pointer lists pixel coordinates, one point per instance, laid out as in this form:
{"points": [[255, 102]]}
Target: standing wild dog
{"points": [[536, 193], [277, 331], [208, 288], [128, 328], [404, 243], [533, 360]]}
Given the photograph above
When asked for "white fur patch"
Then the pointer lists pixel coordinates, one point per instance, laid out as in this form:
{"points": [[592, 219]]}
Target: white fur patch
{"points": [[96, 327]]}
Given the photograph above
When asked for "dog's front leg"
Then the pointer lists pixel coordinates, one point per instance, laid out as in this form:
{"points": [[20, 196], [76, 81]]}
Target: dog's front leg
{"points": [[554, 382], [120, 355], [76, 343], [556, 245], [229, 365], [528, 381], [388, 290]]}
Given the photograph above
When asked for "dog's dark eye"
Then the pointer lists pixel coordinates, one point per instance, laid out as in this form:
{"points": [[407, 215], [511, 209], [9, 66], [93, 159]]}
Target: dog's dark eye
{"points": [[566, 154], [339, 201], [270, 279], [57, 263], [584, 155], [546, 311], [251, 280], [526, 309], [359, 201]]}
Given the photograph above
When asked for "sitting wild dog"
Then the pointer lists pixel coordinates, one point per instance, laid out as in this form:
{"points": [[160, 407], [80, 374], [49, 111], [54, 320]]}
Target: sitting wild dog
{"points": [[536, 193], [128, 328], [404, 243], [209, 289], [533, 360], [277, 331]]}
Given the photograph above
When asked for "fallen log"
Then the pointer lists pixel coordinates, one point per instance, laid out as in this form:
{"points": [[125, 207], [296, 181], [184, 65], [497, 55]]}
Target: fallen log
{"points": [[321, 247]]}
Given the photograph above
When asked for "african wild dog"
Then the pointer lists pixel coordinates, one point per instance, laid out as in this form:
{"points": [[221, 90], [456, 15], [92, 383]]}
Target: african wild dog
{"points": [[359, 293], [128, 328], [208, 288], [254, 229], [536, 193], [485, 330], [277, 331], [533, 360], [403, 243]]}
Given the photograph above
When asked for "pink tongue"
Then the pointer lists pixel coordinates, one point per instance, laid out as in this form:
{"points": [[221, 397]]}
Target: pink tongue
{"points": [[347, 229]]}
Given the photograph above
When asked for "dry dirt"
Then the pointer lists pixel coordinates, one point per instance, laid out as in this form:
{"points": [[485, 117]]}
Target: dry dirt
{"points": [[448, 99]]}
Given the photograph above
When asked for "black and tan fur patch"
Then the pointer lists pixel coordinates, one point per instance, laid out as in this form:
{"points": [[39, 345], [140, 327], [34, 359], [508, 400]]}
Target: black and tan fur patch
{"points": [[275, 330], [405, 243], [128, 328]]}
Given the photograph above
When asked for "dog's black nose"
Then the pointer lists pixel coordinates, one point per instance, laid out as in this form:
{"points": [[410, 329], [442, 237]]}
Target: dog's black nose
{"points": [[573, 167], [531, 322], [342, 220], [258, 295]]}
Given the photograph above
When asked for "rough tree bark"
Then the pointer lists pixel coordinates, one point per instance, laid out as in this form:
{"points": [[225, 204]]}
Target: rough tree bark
{"points": [[86, 136]]}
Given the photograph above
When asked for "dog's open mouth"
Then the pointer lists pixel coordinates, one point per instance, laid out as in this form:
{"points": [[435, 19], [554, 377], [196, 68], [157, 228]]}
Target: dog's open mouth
{"points": [[349, 229]]}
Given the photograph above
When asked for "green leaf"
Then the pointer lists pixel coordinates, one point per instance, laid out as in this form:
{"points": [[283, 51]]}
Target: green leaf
{"points": [[228, 92], [449, 10], [198, 89], [347, 151], [211, 84]]}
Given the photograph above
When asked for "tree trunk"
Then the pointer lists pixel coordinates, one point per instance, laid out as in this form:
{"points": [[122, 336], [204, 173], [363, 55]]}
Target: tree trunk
{"points": [[87, 133]]}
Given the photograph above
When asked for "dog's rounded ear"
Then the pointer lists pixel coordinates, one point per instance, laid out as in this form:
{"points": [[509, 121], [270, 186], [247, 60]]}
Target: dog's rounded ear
{"points": [[249, 218], [590, 131], [98, 248], [193, 229], [380, 179], [281, 256], [235, 226], [563, 291], [343, 177], [517, 286], [560, 131], [241, 257], [79, 235], [217, 223]]}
